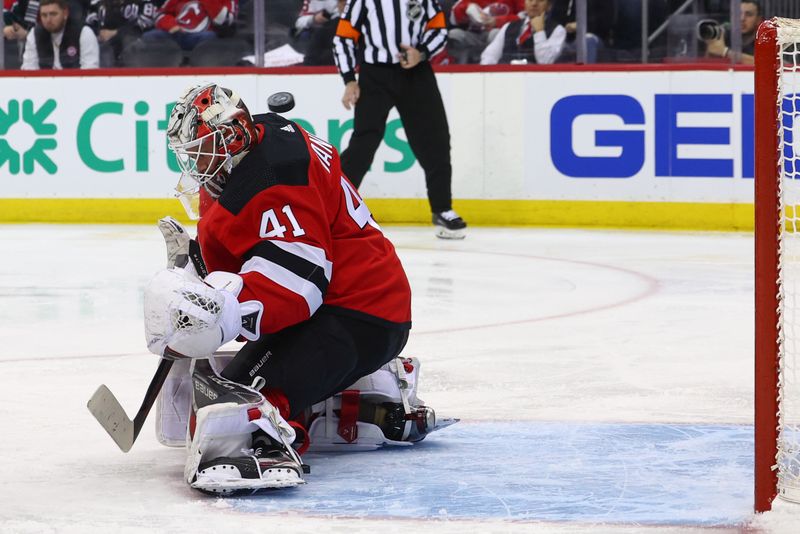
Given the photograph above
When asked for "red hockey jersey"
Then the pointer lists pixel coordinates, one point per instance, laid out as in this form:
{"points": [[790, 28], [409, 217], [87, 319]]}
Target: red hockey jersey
{"points": [[300, 236], [503, 11], [196, 15]]}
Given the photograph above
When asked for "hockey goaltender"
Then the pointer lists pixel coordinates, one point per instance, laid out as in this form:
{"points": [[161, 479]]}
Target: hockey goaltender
{"points": [[291, 262]]}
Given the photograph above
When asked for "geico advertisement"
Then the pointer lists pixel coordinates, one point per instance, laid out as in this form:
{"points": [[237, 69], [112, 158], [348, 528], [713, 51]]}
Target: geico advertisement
{"points": [[106, 137], [677, 136]]}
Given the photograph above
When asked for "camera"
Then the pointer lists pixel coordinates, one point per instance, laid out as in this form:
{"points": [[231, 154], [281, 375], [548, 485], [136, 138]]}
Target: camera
{"points": [[709, 30]]}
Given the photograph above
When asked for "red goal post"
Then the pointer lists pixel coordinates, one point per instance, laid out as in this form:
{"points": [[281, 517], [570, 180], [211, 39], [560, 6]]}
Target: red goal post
{"points": [[777, 262]]}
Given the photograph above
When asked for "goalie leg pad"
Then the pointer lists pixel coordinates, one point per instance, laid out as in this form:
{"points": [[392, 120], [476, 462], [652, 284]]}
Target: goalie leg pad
{"points": [[377, 410], [174, 402], [221, 457], [173, 405]]}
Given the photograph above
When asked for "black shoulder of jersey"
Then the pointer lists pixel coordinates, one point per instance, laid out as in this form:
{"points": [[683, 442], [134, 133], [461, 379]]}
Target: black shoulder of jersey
{"points": [[281, 158]]}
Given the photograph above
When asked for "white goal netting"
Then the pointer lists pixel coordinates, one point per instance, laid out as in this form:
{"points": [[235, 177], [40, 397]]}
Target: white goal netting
{"points": [[788, 457]]}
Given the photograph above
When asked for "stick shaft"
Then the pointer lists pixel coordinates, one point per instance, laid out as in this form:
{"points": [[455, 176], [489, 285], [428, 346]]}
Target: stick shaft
{"points": [[152, 393]]}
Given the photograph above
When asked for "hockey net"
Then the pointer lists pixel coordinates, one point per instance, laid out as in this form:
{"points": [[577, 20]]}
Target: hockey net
{"points": [[777, 258]]}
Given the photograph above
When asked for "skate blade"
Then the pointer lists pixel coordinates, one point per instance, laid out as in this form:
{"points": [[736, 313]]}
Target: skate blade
{"points": [[444, 233], [223, 486], [444, 422]]}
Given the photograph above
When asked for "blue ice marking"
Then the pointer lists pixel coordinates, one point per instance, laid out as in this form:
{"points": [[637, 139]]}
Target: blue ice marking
{"points": [[618, 473]]}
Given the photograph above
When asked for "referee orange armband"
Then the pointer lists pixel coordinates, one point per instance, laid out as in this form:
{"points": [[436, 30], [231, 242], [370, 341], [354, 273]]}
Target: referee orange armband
{"points": [[345, 30], [437, 22]]}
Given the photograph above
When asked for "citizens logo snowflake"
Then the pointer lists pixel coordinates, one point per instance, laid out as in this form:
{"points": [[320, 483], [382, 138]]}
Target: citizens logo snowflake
{"points": [[13, 134]]}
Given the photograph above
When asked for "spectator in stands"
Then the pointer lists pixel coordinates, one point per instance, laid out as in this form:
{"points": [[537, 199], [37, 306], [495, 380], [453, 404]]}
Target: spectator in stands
{"points": [[59, 42], [78, 9], [475, 22], [536, 38], [313, 16], [320, 47], [751, 16], [19, 17], [120, 22], [190, 22], [599, 17]]}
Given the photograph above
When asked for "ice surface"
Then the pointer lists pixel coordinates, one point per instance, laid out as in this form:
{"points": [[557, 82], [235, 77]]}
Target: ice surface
{"points": [[522, 470], [604, 381]]}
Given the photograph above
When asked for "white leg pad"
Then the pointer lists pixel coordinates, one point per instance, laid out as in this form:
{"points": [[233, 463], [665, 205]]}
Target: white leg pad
{"points": [[174, 402], [395, 382], [225, 430], [370, 437], [392, 382], [221, 430], [173, 406]]}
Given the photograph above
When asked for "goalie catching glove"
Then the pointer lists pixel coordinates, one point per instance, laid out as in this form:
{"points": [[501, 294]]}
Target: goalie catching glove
{"points": [[181, 248], [193, 317], [177, 240]]}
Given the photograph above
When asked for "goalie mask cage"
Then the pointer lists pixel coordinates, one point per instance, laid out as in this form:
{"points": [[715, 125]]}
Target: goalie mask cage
{"points": [[777, 262]]}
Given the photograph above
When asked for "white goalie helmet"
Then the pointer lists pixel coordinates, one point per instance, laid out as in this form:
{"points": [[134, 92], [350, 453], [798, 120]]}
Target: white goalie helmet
{"points": [[210, 129]]}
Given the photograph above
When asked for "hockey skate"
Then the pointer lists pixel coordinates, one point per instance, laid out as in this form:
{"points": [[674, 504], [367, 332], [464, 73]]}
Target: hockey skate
{"points": [[269, 465], [380, 409], [449, 225], [239, 441]]}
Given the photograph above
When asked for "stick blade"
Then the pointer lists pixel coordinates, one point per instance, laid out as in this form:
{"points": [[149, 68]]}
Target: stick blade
{"points": [[105, 407]]}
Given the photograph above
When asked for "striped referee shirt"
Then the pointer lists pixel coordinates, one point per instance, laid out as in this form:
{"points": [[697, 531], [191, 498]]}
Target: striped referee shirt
{"points": [[381, 26]]}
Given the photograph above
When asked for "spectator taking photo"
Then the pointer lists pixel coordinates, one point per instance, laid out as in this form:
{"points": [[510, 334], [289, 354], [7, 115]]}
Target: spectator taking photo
{"points": [[720, 43]]}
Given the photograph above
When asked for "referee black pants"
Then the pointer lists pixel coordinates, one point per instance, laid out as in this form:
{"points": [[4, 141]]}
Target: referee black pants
{"points": [[312, 360], [416, 95]]}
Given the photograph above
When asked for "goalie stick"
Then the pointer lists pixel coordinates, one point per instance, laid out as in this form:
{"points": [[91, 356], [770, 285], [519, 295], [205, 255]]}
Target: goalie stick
{"points": [[105, 407]]}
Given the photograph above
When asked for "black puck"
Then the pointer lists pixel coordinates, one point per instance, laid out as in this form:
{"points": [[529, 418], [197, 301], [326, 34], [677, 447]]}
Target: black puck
{"points": [[281, 102]]}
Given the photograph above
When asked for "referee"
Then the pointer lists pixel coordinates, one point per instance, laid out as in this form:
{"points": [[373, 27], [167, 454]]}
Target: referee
{"points": [[395, 38]]}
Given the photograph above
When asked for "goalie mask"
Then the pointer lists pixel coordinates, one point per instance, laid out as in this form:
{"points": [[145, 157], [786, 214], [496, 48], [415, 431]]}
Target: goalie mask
{"points": [[210, 130]]}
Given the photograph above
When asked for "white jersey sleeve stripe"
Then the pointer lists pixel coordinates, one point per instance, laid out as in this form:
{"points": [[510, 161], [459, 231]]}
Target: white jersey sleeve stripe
{"points": [[309, 253], [286, 279]]}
